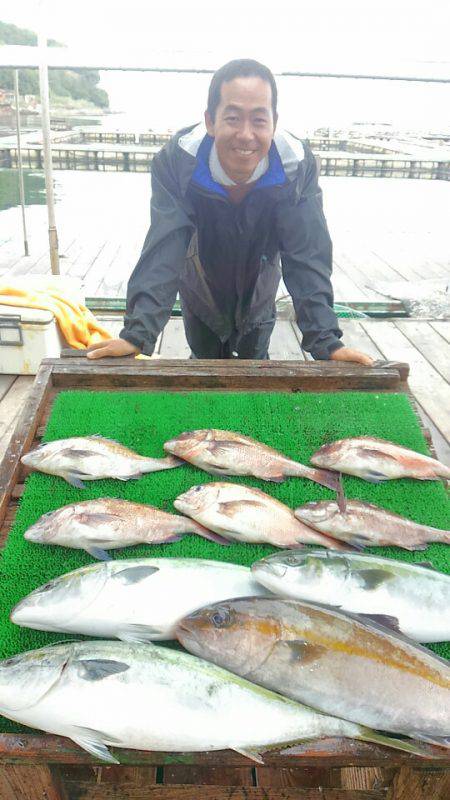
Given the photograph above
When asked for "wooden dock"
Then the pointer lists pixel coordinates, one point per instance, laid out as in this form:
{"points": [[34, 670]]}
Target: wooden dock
{"points": [[382, 231]]}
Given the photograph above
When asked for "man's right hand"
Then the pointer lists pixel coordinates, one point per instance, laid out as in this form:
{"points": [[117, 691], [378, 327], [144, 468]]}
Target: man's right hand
{"points": [[113, 348]]}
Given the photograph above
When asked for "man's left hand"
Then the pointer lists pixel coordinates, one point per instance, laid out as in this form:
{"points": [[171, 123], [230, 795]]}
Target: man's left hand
{"points": [[347, 354]]}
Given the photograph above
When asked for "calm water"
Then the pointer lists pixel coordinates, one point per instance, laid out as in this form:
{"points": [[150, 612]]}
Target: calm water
{"points": [[98, 202]]}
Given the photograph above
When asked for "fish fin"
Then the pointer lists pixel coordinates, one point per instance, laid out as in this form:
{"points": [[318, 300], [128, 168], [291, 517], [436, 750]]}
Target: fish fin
{"points": [[374, 453], [215, 446], [252, 754], [425, 564], [382, 619], [373, 578], [390, 740], [301, 650], [324, 477], [272, 478], [74, 479], [177, 537], [98, 552], [140, 634], [232, 507], [135, 574], [77, 453], [92, 741], [87, 518], [215, 537], [375, 477], [340, 495], [134, 477], [95, 669]]}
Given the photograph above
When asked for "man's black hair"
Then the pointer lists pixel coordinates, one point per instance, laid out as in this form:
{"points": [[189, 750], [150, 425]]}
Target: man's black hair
{"points": [[239, 68]]}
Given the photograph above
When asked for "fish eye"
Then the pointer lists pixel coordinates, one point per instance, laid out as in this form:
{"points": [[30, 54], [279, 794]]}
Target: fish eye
{"points": [[221, 618], [10, 662], [47, 586], [292, 560], [198, 488]]}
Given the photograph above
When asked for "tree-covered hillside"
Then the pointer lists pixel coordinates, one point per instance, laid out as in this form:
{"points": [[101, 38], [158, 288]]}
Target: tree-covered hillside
{"points": [[78, 84]]}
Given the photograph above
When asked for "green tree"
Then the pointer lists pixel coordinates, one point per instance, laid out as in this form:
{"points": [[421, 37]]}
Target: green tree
{"points": [[78, 84]]}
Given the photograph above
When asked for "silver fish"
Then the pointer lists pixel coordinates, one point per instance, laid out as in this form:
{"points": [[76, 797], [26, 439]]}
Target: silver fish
{"points": [[332, 662], [413, 598], [107, 524], [228, 453], [245, 514], [91, 458], [378, 460], [136, 600], [367, 524], [145, 697]]}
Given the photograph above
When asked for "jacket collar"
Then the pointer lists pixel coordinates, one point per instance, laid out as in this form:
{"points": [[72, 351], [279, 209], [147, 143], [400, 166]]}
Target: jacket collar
{"points": [[285, 154]]}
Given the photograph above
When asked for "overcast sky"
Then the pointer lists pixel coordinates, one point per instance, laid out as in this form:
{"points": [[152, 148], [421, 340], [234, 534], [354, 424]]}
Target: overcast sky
{"points": [[311, 34]]}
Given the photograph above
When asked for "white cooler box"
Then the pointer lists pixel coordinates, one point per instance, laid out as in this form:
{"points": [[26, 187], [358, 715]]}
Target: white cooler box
{"points": [[27, 335]]}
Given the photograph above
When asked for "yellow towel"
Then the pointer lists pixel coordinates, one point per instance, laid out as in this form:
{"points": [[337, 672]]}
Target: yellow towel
{"points": [[77, 324]]}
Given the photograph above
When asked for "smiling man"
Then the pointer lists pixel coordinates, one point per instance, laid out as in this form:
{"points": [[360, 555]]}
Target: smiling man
{"points": [[235, 205]]}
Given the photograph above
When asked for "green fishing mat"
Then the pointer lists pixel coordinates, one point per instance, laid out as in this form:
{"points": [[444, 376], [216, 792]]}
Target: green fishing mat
{"points": [[295, 424]]}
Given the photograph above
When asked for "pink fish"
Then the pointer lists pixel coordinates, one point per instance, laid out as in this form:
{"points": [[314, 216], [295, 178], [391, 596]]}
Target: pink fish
{"points": [[378, 460]]}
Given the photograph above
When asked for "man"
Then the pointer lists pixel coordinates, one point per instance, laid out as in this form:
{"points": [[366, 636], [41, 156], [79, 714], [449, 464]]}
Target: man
{"points": [[230, 201]]}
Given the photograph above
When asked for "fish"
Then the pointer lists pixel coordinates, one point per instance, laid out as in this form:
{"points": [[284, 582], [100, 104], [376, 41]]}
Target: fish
{"points": [[244, 514], [108, 523], [334, 663], [228, 453], [378, 460], [364, 524], [90, 458], [136, 600], [103, 694], [412, 598]]}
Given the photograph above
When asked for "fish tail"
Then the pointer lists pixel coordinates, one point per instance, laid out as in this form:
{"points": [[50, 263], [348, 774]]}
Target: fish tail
{"points": [[200, 530], [323, 476], [155, 464], [441, 536], [407, 745]]}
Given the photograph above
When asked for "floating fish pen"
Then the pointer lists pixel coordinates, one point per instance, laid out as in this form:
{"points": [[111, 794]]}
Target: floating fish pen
{"points": [[111, 159], [118, 137], [292, 406]]}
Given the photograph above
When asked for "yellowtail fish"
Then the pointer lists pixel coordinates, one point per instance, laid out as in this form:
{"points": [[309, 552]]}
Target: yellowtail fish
{"points": [[90, 458], [134, 599], [330, 661], [145, 697], [412, 598]]}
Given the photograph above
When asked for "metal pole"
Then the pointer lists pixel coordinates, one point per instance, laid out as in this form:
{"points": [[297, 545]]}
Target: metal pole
{"points": [[45, 105], [19, 159]]}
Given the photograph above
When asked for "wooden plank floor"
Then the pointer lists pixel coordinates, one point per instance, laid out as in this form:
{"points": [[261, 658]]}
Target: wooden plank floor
{"points": [[424, 345], [382, 230]]}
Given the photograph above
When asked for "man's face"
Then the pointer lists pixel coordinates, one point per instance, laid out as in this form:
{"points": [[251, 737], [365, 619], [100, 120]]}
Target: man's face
{"points": [[244, 126]]}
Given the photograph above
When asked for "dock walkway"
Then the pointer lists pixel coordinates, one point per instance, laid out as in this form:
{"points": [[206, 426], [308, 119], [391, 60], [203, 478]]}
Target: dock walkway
{"points": [[383, 233]]}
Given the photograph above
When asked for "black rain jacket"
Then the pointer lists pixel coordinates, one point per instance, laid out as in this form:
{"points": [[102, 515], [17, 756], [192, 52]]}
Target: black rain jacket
{"points": [[224, 258]]}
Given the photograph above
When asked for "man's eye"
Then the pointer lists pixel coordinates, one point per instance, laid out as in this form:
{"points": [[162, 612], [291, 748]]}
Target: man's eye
{"points": [[260, 121], [231, 119]]}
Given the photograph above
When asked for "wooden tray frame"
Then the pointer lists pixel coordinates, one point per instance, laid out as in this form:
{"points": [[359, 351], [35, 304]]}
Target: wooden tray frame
{"points": [[33, 767]]}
